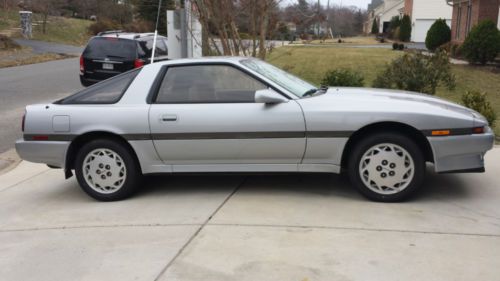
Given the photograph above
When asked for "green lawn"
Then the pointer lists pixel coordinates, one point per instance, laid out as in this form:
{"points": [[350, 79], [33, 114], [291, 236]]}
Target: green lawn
{"points": [[311, 63], [64, 30], [59, 29]]}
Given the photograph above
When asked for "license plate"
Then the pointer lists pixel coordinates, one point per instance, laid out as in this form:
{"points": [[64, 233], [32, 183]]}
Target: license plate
{"points": [[107, 66]]}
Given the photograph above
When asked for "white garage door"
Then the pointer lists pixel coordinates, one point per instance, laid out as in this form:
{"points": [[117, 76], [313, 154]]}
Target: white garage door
{"points": [[419, 31]]}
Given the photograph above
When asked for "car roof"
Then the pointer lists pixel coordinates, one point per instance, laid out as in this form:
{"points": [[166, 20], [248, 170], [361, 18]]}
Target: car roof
{"points": [[220, 59], [127, 35]]}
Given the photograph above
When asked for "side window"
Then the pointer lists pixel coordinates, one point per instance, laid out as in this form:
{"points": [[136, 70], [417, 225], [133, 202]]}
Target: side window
{"points": [[161, 48], [146, 48], [207, 84], [108, 91]]}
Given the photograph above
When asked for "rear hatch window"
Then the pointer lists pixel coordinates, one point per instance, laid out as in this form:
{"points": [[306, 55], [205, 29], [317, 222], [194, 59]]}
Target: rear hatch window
{"points": [[102, 47]]}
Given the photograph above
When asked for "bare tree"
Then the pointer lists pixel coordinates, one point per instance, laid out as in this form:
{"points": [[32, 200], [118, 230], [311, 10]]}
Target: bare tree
{"points": [[46, 8], [222, 19]]}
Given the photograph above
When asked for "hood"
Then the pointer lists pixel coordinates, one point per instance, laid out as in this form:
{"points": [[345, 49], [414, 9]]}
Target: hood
{"points": [[377, 95]]}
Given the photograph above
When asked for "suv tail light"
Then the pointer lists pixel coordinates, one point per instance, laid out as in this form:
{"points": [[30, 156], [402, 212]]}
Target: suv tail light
{"points": [[24, 119], [138, 63], [82, 66]]}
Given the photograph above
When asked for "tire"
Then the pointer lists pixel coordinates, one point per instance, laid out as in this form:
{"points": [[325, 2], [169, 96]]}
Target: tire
{"points": [[106, 170], [386, 167]]}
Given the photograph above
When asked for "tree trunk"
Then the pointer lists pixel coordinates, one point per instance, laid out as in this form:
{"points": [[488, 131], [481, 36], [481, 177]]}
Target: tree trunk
{"points": [[44, 22], [253, 26], [263, 29]]}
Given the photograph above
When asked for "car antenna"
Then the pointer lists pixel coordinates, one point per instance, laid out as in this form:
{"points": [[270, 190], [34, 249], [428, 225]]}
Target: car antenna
{"points": [[156, 33]]}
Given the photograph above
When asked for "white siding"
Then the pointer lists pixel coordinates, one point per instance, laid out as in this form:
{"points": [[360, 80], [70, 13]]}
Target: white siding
{"points": [[426, 10], [391, 9]]}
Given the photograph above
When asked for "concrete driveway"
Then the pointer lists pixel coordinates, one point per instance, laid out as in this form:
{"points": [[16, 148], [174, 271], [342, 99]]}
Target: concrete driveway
{"points": [[237, 227]]}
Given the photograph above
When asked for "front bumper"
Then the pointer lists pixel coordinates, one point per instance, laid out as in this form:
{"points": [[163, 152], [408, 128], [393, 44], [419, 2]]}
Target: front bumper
{"points": [[49, 152], [461, 153]]}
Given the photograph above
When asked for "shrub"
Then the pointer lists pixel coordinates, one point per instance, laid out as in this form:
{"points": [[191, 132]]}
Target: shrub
{"points": [[405, 29], [396, 33], [139, 26], [456, 50], [7, 44], [393, 25], [438, 34], [102, 25], [395, 46], [343, 78], [375, 26], [417, 72], [483, 43], [478, 101], [401, 47]]}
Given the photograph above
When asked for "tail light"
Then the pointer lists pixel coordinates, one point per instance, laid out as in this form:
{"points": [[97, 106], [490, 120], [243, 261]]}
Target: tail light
{"points": [[24, 119], [82, 66], [138, 63]]}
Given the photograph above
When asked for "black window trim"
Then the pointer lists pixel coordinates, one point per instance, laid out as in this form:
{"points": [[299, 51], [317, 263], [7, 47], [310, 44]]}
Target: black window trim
{"points": [[137, 70], [155, 88]]}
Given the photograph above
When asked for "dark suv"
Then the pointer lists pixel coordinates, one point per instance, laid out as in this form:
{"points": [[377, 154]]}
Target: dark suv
{"points": [[114, 52]]}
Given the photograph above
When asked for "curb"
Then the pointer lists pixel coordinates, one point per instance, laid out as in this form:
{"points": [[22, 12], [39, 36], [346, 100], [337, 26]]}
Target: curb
{"points": [[8, 161]]}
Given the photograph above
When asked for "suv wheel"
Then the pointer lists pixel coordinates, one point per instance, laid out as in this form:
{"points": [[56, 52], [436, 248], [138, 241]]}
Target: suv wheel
{"points": [[106, 170], [387, 167]]}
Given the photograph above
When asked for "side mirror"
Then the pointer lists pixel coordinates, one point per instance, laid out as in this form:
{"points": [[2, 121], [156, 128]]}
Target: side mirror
{"points": [[269, 96]]}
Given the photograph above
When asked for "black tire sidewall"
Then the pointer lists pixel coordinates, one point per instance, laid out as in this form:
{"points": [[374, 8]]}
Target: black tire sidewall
{"points": [[133, 174], [393, 138]]}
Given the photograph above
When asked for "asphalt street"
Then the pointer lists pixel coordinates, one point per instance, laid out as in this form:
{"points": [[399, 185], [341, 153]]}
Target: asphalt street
{"points": [[31, 84]]}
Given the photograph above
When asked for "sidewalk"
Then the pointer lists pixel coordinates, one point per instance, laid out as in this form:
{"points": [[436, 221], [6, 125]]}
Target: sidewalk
{"points": [[289, 227]]}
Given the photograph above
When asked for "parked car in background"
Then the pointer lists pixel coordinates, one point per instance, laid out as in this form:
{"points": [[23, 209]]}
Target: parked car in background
{"points": [[114, 52], [244, 115]]}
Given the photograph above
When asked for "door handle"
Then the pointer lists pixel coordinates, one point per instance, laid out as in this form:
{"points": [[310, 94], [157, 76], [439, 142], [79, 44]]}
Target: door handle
{"points": [[169, 118]]}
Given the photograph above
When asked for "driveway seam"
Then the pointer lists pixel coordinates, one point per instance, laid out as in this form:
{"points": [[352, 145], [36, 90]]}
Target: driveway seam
{"points": [[27, 179], [357, 228], [96, 226], [195, 234]]}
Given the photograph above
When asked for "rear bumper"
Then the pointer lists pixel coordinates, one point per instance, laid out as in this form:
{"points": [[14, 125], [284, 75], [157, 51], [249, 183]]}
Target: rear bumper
{"points": [[461, 153], [49, 152]]}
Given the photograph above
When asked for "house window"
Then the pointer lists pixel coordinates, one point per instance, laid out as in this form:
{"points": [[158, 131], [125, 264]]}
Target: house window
{"points": [[459, 21], [469, 18]]}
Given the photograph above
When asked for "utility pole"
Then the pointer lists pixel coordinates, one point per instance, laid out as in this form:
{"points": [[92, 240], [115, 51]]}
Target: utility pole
{"points": [[184, 29]]}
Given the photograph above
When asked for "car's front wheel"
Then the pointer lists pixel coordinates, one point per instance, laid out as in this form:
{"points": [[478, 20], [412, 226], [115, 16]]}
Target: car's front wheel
{"points": [[387, 167], [106, 170]]}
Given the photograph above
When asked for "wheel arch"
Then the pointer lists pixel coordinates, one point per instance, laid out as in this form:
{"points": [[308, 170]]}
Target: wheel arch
{"points": [[81, 140], [394, 127]]}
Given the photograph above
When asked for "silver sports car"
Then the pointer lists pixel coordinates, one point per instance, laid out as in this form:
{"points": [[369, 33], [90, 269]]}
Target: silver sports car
{"points": [[243, 115]]}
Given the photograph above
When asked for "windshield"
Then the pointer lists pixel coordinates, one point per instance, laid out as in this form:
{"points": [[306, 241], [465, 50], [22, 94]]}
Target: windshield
{"points": [[286, 80]]}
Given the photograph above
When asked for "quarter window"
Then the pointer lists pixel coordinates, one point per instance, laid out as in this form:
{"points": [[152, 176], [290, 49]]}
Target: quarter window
{"points": [[207, 84], [105, 92]]}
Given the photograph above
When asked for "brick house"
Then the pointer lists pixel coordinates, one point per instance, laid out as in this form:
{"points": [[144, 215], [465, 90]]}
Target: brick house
{"points": [[467, 13]]}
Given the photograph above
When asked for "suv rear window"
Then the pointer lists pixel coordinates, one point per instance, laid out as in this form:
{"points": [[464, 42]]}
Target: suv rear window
{"points": [[106, 92], [100, 47]]}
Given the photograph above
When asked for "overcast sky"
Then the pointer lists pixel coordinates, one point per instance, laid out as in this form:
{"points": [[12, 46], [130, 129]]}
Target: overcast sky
{"points": [[358, 3]]}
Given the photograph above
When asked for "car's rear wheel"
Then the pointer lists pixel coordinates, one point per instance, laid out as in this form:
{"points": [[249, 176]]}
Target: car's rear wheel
{"points": [[106, 170], [387, 167]]}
